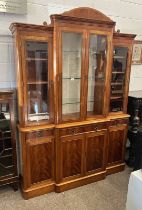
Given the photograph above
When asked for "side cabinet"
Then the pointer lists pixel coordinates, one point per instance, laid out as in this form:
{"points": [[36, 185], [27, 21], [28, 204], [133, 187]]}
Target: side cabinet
{"points": [[8, 151], [38, 156], [116, 148]]}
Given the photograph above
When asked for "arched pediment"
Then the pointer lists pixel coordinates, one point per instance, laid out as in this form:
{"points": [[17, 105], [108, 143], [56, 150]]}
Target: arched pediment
{"points": [[86, 13]]}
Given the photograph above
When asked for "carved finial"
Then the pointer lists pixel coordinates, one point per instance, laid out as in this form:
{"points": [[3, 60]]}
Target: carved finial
{"points": [[45, 23], [118, 30]]}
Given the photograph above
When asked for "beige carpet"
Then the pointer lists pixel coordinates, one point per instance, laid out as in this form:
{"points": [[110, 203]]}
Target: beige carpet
{"points": [[109, 194]]}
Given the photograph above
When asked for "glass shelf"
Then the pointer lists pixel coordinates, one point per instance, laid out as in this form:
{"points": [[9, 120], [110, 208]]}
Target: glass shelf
{"points": [[116, 91], [71, 78], [71, 103], [93, 52], [116, 83], [71, 51], [118, 72], [90, 101], [118, 57], [37, 82], [115, 97], [36, 59]]}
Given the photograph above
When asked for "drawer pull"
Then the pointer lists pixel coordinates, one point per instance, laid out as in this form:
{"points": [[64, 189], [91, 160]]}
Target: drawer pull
{"points": [[73, 131], [39, 134], [95, 128], [118, 124]]}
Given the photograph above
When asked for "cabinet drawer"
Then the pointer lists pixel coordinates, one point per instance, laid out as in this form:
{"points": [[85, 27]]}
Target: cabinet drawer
{"points": [[95, 126], [82, 129], [119, 121], [71, 131], [39, 134]]}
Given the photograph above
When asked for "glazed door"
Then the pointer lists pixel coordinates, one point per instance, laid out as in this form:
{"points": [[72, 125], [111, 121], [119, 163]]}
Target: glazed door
{"points": [[71, 156], [95, 151], [116, 144], [40, 160], [37, 77], [98, 59], [119, 80], [7, 141], [71, 71]]}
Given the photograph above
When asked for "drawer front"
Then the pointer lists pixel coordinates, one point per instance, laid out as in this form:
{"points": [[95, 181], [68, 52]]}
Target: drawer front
{"points": [[119, 121], [71, 131], [40, 134], [82, 129], [95, 127]]}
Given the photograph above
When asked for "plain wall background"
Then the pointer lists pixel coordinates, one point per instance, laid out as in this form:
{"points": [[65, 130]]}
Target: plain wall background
{"points": [[126, 13]]}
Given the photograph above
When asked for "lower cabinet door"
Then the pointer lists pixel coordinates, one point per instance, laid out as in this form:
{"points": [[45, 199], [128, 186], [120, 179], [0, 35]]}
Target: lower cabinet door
{"points": [[116, 144], [40, 160], [72, 154], [96, 151]]}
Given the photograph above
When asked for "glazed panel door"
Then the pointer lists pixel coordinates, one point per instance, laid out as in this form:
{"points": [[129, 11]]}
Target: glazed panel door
{"points": [[116, 144], [95, 151], [37, 79], [71, 72], [119, 78], [98, 55], [7, 141]]}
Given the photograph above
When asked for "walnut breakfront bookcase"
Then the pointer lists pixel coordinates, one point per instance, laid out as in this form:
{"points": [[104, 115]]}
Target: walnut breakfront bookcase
{"points": [[73, 79]]}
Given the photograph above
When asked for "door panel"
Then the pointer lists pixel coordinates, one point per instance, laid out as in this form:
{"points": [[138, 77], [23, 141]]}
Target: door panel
{"points": [[72, 153], [37, 79], [71, 74], [96, 74], [40, 162], [118, 80], [116, 145], [95, 150]]}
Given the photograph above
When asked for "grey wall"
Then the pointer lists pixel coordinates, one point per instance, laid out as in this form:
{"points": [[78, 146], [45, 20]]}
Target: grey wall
{"points": [[126, 13]]}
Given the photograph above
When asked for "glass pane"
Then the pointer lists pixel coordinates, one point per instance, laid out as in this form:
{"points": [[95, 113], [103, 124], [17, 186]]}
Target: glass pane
{"points": [[96, 75], [71, 75], [118, 78], [6, 158], [37, 61], [37, 80], [38, 108]]}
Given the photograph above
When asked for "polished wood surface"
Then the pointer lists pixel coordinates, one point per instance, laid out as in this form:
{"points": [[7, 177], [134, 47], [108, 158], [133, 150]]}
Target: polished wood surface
{"points": [[41, 168], [83, 142], [116, 145], [77, 182], [72, 150], [96, 151], [84, 14]]}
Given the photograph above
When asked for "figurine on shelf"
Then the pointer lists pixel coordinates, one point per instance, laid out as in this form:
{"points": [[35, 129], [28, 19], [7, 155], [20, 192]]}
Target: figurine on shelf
{"points": [[36, 103], [117, 65]]}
